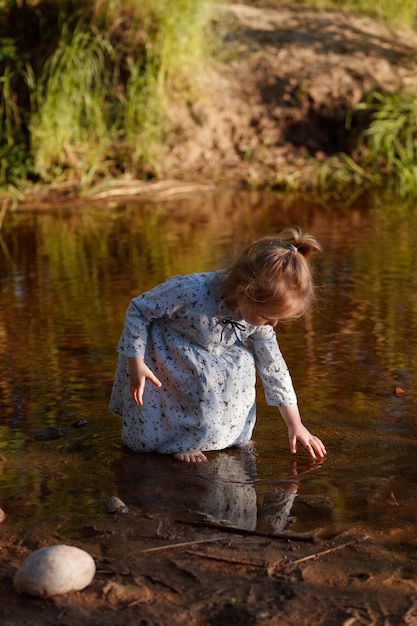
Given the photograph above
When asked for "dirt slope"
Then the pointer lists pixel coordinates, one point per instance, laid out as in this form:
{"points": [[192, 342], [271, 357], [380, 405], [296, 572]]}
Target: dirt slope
{"points": [[281, 90]]}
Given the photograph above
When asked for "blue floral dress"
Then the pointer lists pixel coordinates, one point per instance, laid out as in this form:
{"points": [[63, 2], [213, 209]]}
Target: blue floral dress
{"points": [[206, 358]]}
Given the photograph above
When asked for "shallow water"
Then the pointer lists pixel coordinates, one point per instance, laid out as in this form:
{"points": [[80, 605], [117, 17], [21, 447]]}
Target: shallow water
{"points": [[66, 277]]}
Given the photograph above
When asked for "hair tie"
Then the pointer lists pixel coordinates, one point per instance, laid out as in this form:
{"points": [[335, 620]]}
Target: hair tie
{"points": [[293, 248]]}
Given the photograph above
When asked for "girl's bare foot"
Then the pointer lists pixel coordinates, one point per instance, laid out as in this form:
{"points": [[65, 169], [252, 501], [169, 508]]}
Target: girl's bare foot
{"points": [[191, 456]]}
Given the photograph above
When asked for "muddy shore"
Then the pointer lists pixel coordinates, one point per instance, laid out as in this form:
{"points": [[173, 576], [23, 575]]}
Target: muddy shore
{"points": [[160, 568]]}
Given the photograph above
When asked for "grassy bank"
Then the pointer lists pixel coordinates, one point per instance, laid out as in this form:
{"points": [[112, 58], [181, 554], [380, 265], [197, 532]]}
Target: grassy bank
{"points": [[86, 86]]}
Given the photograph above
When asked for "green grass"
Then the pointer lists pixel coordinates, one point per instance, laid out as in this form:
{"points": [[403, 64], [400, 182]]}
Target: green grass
{"points": [[399, 13], [69, 125], [386, 150], [390, 141], [99, 101]]}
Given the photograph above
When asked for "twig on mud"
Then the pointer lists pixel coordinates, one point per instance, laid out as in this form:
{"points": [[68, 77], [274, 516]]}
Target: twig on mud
{"points": [[254, 533], [223, 559], [185, 543], [316, 555]]}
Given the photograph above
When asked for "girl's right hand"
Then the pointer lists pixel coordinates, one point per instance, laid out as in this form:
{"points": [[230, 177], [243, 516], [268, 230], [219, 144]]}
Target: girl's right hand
{"points": [[139, 373]]}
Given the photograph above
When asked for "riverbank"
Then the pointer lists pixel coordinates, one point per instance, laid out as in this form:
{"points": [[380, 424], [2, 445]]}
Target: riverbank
{"points": [[161, 567], [273, 107], [277, 105]]}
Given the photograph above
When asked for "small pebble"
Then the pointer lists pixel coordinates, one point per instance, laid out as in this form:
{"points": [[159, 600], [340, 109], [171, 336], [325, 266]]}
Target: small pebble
{"points": [[115, 505], [55, 570], [79, 423], [2, 516]]}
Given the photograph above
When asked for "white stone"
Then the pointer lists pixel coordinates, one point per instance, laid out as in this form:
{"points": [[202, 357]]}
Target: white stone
{"points": [[115, 505], [55, 570]]}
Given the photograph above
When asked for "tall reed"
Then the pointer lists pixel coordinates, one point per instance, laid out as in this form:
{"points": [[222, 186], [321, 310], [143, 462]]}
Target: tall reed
{"points": [[391, 138], [168, 70], [14, 152], [69, 126]]}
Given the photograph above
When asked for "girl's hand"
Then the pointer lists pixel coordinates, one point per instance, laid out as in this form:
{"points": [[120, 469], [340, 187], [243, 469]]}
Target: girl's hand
{"points": [[297, 432], [139, 373], [313, 445]]}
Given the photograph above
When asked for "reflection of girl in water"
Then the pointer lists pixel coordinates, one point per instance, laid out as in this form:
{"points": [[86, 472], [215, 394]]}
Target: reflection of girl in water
{"points": [[188, 336], [222, 491]]}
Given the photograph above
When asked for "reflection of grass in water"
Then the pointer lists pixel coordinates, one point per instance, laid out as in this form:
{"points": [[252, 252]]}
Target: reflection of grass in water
{"points": [[62, 476], [75, 276]]}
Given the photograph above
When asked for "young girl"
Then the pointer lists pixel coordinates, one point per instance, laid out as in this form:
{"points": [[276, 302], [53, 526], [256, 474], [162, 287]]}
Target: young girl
{"points": [[188, 337]]}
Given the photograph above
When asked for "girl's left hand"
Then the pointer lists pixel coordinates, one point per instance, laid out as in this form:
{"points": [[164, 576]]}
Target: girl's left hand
{"points": [[299, 434]]}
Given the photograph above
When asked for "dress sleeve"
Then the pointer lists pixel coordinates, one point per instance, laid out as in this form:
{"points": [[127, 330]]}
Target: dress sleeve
{"points": [[272, 368], [164, 300]]}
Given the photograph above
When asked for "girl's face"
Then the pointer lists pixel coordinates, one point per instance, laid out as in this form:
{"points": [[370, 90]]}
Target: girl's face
{"points": [[256, 315], [263, 314]]}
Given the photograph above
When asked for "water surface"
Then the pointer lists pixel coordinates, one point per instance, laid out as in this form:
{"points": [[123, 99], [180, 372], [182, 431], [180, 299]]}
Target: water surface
{"points": [[66, 277]]}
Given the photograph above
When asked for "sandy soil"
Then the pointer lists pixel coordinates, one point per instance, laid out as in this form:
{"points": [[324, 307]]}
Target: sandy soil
{"points": [[278, 98]]}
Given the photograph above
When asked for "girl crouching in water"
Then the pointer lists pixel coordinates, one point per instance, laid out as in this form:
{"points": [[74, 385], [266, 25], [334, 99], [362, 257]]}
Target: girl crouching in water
{"points": [[188, 337]]}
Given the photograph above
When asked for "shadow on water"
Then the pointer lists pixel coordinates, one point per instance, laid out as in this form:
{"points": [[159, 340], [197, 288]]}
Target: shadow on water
{"points": [[66, 277]]}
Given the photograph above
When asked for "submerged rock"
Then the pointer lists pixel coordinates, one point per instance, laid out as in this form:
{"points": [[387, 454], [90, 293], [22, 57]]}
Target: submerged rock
{"points": [[48, 433], [115, 505], [55, 570]]}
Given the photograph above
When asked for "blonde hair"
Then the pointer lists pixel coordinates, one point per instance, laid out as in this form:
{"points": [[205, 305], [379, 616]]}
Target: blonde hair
{"points": [[275, 272]]}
